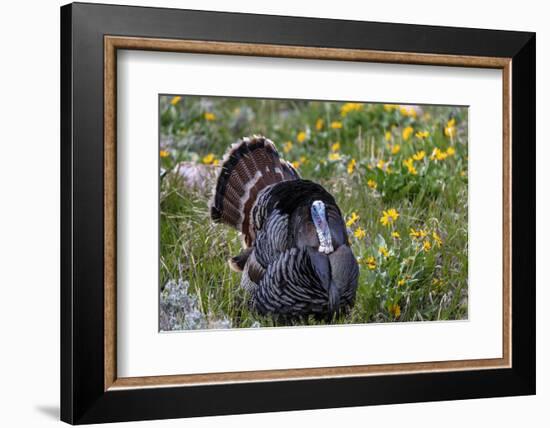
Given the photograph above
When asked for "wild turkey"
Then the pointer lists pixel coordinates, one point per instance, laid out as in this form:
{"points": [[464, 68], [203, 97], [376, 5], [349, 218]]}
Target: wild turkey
{"points": [[296, 259]]}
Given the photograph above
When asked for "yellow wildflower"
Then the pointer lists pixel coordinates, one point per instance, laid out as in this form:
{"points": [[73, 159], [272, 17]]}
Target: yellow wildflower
{"points": [[400, 282], [395, 310], [351, 166], [389, 107], [287, 147], [450, 130], [396, 235], [209, 116], [437, 239], [351, 221], [208, 159], [442, 155], [451, 151], [303, 159], [463, 173], [371, 263], [359, 233], [301, 137], [438, 154], [438, 282], [296, 164], [164, 153], [420, 233], [389, 216], [175, 100], [427, 245], [387, 136], [334, 156], [409, 164], [372, 184], [418, 156], [408, 111], [422, 134], [395, 149], [336, 125], [348, 107], [335, 147], [407, 132], [384, 251], [319, 124]]}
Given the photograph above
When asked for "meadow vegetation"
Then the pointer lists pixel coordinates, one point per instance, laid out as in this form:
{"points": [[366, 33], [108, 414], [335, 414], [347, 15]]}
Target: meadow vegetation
{"points": [[398, 173]]}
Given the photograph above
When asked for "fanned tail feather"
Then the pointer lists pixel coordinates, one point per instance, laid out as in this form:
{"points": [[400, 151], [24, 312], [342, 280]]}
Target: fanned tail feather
{"points": [[249, 166]]}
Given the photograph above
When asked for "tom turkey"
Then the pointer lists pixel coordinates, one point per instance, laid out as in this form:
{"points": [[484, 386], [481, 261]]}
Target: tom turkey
{"points": [[296, 259]]}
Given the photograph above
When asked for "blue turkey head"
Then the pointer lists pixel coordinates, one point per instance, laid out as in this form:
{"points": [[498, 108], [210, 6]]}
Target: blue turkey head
{"points": [[319, 217]]}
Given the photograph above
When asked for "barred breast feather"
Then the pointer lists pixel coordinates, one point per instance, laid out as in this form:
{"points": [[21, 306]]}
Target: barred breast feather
{"points": [[284, 270]]}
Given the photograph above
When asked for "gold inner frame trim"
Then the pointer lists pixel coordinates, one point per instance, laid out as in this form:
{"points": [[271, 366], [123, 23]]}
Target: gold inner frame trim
{"points": [[113, 43]]}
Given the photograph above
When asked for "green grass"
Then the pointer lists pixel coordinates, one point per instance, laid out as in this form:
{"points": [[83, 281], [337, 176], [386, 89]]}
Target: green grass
{"points": [[417, 280]]}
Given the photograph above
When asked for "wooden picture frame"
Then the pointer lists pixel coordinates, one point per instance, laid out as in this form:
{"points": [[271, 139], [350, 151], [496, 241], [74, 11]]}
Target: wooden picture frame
{"points": [[91, 390]]}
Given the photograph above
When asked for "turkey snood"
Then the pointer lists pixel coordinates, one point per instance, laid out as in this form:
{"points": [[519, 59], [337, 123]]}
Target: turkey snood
{"points": [[321, 226]]}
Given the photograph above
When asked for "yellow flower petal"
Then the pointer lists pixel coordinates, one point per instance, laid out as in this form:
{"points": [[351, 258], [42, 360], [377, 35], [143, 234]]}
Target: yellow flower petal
{"points": [[407, 132], [407, 111], [287, 147], [395, 310], [208, 159], [389, 216], [359, 233], [351, 166], [354, 217], [418, 156], [349, 107]]}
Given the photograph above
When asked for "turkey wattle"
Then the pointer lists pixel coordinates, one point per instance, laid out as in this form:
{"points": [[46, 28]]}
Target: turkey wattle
{"points": [[296, 259]]}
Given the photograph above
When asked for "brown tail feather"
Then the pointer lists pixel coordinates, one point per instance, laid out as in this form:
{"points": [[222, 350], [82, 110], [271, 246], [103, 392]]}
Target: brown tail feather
{"points": [[249, 166]]}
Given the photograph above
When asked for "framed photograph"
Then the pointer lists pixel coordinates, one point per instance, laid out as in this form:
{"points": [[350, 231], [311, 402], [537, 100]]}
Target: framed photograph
{"points": [[266, 213]]}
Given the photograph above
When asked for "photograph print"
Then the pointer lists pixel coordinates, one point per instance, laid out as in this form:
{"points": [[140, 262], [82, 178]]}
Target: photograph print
{"points": [[288, 213]]}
